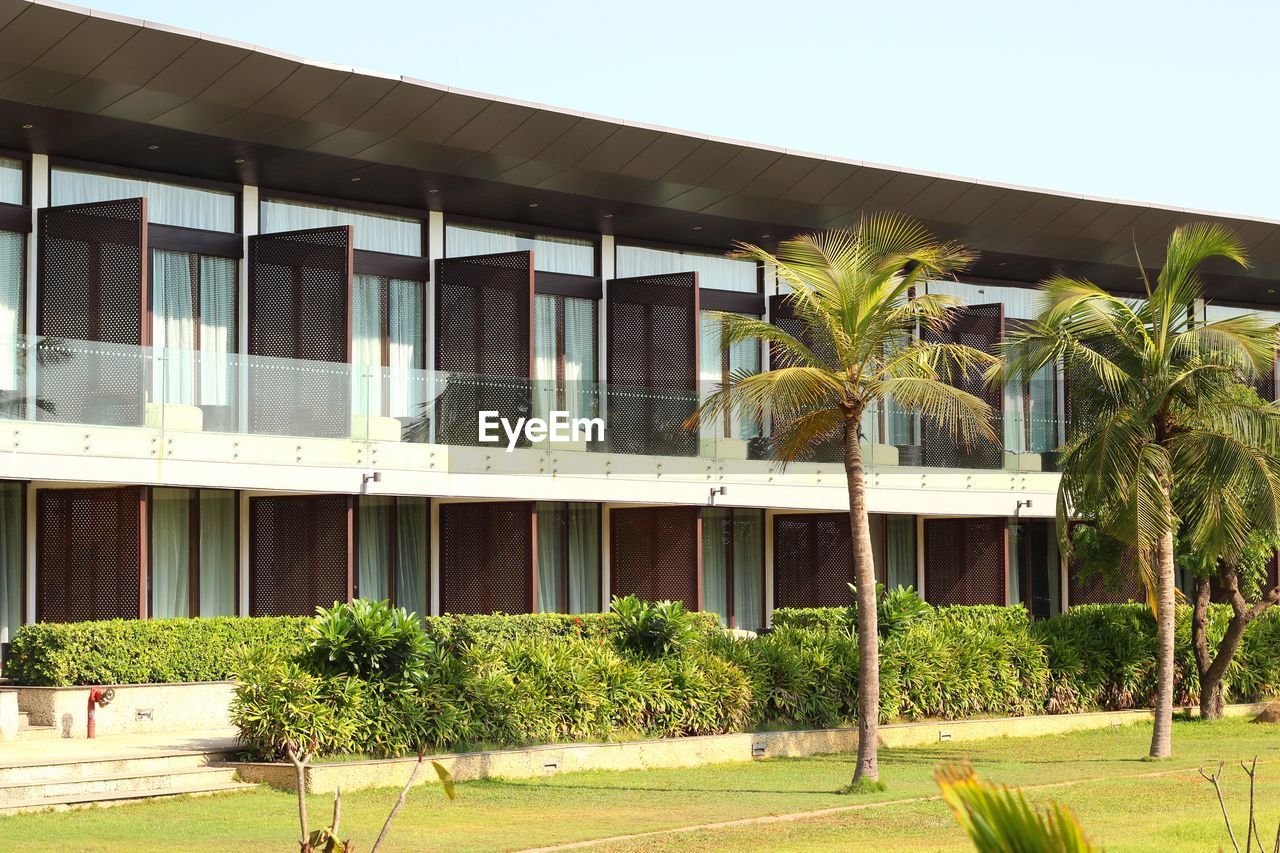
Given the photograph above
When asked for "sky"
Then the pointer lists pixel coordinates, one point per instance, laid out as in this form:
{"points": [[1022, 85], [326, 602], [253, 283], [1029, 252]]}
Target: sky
{"points": [[1170, 103]]}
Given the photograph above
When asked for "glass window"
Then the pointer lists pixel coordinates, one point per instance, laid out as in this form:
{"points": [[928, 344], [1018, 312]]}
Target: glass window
{"points": [[387, 332], [12, 525], [715, 272], [1031, 413], [193, 300], [175, 514], [391, 552], [11, 315], [1020, 303], [551, 253], [565, 355], [718, 366], [13, 174], [167, 204], [372, 232], [1035, 567], [568, 557], [733, 566]]}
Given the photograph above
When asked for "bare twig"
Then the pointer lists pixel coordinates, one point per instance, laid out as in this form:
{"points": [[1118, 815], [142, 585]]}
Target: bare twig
{"points": [[300, 768], [1222, 803], [404, 792], [1252, 829], [337, 810]]}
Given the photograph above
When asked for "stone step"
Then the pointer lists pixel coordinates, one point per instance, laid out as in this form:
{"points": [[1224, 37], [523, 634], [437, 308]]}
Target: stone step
{"points": [[26, 731], [24, 719], [89, 765], [80, 801], [20, 793]]}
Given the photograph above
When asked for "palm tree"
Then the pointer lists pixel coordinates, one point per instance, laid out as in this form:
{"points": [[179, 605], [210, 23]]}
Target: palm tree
{"points": [[853, 293], [1166, 430]]}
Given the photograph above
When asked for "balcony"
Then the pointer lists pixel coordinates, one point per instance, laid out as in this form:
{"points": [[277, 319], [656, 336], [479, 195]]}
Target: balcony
{"points": [[111, 401]]}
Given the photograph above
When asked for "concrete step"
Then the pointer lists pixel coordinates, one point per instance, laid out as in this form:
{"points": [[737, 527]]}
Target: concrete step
{"points": [[112, 798], [88, 765], [20, 793], [26, 731], [24, 719]]}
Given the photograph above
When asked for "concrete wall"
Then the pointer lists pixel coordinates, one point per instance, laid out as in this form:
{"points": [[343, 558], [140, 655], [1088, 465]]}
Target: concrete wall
{"points": [[136, 708], [680, 752]]}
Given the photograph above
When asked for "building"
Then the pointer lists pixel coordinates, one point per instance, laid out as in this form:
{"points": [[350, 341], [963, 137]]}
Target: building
{"points": [[250, 307]]}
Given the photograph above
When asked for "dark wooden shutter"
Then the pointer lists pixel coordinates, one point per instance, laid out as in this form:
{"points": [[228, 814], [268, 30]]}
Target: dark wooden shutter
{"points": [[487, 557], [300, 311], [652, 339], [655, 553], [980, 327], [484, 340], [782, 315], [92, 272], [91, 554], [1095, 588], [965, 561], [812, 560], [301, 550]]}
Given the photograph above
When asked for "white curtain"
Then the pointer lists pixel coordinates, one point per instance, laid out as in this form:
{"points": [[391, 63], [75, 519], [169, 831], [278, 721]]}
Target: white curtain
{"points": [[715, 272], [167, 204], [584, 557], [580, 357], [748, 568], [1021, 303], [217, 330], [11, 286], [374, 546], [900, 551], [11, 568], [173, 332], [716, 526], [406, 389], [170, 553], [550, 253], [218, 552], [544, 355], [12, 176], [412, 520], [551, 536], [710, 371], [373, 232], [1014, 533], [1030, 413], [366, 345]]}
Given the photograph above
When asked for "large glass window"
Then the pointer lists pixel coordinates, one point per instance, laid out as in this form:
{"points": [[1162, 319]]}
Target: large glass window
{"points": [[733, 566], [13, 175], [568, 557], [373, 232], [564, 332], [551, 253], [1020, 303], [1031, 413], [193, 300], [388, 346], [167, 204], [194, 549], [719, 365], [893, 549], [1035, 567], [12, 525], [715, 272], [391, 554], [11, 314]]}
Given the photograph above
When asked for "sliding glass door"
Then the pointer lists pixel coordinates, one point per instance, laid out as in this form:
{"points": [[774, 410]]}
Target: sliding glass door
{"points": [[194, 552], [387, 322], [733, 566], [565, 355], [568, 557]]}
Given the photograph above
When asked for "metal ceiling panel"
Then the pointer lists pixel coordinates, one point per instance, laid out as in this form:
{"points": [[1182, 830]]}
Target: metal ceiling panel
{"points": [[782, 174], [662, 155], [540, 129], [577, 141], [26, 37], [353, 97], [742, 168], [122, 73], [620, 148], [443, 118], [490, 125], [816, 184], [395, 110], [702, 162]]}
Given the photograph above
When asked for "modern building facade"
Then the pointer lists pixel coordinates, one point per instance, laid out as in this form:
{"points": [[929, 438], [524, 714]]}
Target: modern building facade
{"points": [[251, 307]]}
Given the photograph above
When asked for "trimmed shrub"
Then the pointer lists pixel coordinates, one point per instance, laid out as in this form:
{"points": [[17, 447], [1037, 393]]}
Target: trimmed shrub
{"points": [[134, 651]]}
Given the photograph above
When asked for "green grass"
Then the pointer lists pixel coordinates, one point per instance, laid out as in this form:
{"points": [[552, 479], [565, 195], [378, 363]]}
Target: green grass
{"points": [[1174, 810]]}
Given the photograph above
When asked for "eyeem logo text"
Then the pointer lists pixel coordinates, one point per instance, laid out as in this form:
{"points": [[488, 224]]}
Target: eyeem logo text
{"points": [[559, 428]]}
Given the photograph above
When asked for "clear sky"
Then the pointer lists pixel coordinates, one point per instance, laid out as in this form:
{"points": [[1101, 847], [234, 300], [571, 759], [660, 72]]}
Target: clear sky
{"points": [[1170, 102]]}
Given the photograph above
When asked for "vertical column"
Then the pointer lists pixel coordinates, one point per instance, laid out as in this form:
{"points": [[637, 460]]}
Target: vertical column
{"points": [[606, 562], [249, 226], [433, 539], [242, 604], [920, 555], [435, 251], [608, 271], [768, 568], [29, 525], [39, 178]]}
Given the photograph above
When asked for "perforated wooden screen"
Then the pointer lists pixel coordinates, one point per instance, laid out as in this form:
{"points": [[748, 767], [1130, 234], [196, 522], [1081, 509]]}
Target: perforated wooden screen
{"points": [[783, 316], [1095, 588], [300, 318], [300, 553], [655, 553], [980, 327], [652, 340], [965, 561], [92, 270], [812, 560], [486, 557], [91, 554], [484, 334]]}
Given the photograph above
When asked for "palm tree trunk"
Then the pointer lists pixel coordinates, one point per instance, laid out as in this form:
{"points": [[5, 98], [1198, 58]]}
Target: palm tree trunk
{"points": [[864, 577], [1162, 733]]}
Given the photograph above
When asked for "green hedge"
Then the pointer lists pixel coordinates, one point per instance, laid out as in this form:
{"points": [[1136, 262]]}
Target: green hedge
{"points": [[134, 651], [455, 632]]}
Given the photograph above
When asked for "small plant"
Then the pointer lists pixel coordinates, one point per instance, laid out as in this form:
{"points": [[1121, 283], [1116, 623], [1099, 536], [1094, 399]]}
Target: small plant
{"points": [[998, 819], [654, 628], [367, 639]]}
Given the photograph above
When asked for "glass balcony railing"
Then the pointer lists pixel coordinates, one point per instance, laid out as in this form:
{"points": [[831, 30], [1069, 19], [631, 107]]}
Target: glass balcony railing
{"points": [[193, 398]]}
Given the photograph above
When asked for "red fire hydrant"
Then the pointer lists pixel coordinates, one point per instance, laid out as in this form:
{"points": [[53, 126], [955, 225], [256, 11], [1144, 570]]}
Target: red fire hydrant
{"points": [[99, 697]]}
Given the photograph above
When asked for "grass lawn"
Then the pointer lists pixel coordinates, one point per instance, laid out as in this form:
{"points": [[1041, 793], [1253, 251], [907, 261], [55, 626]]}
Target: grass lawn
{"points": [[1170, 811]]}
